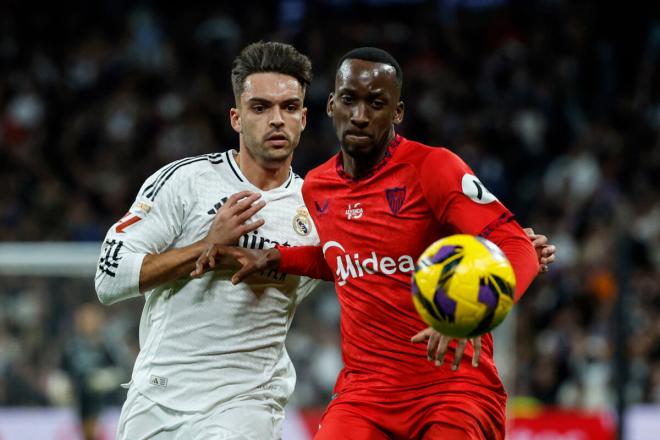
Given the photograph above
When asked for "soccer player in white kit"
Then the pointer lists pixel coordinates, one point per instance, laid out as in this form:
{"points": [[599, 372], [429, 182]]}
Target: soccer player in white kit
{"points": [[212, 361]]}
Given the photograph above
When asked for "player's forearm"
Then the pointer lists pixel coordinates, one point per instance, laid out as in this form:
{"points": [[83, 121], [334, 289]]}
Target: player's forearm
{"points": [[118, 272], [158, 269], [519, 250], [305, 261]]}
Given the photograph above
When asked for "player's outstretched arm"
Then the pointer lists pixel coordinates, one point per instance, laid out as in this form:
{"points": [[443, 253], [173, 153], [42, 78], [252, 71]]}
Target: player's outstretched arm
{"points": [[228, 226], [306, 261], [437, 343], [251, 260], [136, 255]]}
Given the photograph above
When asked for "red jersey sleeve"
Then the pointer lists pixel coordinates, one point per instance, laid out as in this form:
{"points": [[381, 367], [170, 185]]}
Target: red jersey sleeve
{"points": [[520, 252], [304, 260], [456, 196], [460, 200]]}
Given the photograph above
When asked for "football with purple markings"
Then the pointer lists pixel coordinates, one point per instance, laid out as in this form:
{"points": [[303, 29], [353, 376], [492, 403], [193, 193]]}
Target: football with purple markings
{"points": [[463, 286]]}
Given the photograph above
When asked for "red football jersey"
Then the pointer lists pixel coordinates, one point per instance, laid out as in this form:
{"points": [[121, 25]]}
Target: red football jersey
{"points": [[372, 231]]}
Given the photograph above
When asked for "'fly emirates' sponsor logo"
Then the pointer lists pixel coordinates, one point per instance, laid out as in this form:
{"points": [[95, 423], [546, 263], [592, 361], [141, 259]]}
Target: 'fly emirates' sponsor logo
{"points": [[356, 266]]}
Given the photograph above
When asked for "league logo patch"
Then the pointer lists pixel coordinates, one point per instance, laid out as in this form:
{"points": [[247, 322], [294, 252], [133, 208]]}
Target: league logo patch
{"points": [[395, 198], [302, 224], [475, 190]]}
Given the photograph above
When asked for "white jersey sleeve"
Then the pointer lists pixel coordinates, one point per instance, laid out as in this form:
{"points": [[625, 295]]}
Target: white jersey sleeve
{"points": [[151, 225]]}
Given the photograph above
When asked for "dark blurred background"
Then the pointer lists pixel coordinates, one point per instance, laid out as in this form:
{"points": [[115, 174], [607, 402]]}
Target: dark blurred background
{"points": [[554, 103]]}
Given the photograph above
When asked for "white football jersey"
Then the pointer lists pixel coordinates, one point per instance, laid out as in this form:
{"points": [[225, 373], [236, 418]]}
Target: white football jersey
{"points": [[204, 341]]}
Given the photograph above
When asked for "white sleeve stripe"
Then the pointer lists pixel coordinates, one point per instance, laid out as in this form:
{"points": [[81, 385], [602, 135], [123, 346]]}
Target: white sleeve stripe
{"points": [[214, 158], [154, 191]]}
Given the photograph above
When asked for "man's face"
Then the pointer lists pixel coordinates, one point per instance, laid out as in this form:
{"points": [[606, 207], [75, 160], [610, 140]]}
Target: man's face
{"points": [[270, 117], [364, 106]]}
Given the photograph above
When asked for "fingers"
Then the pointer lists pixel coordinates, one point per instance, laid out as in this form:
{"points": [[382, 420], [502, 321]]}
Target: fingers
{"points": [[252, 226], [439, 343], [251, 210], [546, 257], [539, 240], [243, 204], [240, 274], [443, 343], [198, 271], [234, 198], [209, 259], [458, 354], [202, 262], [422, 336], [548, 254], [476, 345], [434, 338]]}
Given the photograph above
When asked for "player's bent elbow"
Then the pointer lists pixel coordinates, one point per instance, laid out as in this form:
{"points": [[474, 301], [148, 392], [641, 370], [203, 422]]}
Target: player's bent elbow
{"points": [[105, 292]]}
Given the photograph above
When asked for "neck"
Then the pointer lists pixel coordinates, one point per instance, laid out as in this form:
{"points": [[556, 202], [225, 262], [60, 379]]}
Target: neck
{"points": [[263, 176], [360, 166]]}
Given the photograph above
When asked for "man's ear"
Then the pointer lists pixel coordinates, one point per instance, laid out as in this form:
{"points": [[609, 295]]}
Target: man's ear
{"points": [[303, 119], [235, 119], [330, 107], [398, 113]]}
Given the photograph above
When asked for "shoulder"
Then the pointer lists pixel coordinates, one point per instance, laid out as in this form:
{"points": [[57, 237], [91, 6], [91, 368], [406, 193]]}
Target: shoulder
{"points": [[419, 154], [180, 171], [295, 182], [326, 170], [431, 161]]}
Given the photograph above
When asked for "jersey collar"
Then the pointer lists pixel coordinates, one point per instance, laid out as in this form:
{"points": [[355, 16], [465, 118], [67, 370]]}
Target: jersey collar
{"points": [[229, 154], [339, 163]]}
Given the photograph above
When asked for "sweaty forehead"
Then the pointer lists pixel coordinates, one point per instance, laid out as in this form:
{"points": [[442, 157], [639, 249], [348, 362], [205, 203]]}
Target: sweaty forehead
{"points": [[365, 73]]}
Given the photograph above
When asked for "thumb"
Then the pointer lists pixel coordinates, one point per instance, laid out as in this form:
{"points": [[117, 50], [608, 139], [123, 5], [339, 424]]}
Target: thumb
{"points": [[421, 336]]}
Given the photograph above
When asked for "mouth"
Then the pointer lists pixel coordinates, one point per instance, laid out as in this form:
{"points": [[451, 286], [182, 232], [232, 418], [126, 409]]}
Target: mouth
{"points": [[277, 140], [357, 137]]}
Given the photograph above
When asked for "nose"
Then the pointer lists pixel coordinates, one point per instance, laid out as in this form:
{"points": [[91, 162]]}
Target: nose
{"points": [[276, 120], [359, 115]]}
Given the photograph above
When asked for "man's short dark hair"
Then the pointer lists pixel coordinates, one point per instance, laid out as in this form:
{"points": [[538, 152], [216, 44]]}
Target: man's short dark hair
{"points": [[375, 55], [269, 56]]}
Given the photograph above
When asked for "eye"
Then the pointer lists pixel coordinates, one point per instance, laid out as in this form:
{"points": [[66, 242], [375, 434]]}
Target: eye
{"points": [[291, 108], [258, 108], [377, 104], [346, 99]]}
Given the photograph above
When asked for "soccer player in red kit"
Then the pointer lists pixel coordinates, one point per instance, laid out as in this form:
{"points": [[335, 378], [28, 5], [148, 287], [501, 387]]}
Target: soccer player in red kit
{"points": [[377, 205]]}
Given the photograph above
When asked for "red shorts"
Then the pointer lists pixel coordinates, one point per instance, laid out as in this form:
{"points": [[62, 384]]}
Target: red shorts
{"points": [[439, 417]]}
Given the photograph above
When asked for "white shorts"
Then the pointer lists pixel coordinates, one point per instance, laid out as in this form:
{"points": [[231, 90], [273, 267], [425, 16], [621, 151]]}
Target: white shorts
{"points": [[142, 418]]}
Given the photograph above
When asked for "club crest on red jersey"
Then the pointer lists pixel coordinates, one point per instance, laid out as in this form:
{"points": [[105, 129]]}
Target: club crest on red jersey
{"points": [[395, 198]]}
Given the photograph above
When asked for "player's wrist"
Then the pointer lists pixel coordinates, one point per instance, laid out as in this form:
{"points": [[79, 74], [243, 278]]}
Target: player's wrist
{"points": [[273, 258]]}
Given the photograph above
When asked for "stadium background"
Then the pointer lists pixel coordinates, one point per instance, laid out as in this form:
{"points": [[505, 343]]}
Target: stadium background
{"points": [[554, 103]]}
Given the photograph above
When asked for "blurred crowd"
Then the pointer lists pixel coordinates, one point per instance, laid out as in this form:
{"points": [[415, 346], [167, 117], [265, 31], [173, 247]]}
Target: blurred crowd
{"points": [[555, 104]]}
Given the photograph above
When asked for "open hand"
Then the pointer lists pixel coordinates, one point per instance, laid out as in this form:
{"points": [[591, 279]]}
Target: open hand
{"points": [[230, 222], [437, 344]]}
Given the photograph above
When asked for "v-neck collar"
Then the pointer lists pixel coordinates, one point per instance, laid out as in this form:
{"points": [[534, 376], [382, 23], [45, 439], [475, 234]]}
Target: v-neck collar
{"points": [[229, 154]]}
